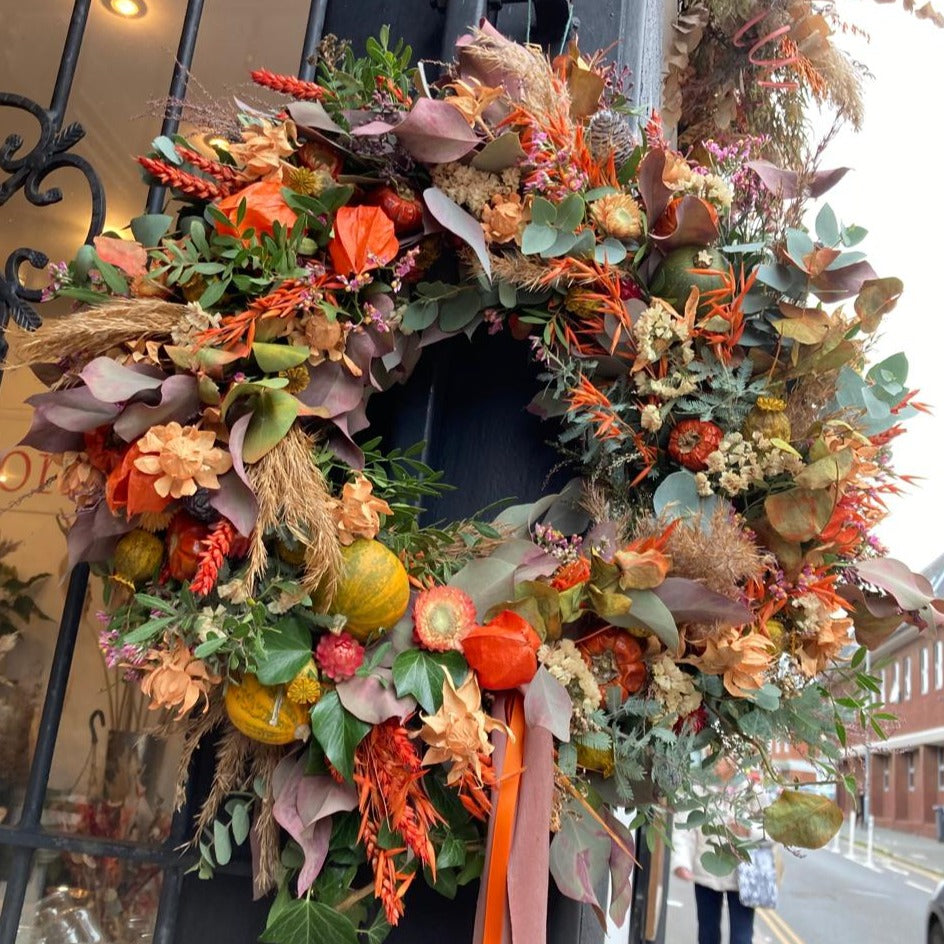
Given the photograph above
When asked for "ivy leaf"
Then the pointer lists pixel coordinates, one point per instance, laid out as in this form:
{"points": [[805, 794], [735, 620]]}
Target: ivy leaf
{"points": [[807, 820], [422, 675], [451, 853], [309, 922], [287, 650], [338, 732]]}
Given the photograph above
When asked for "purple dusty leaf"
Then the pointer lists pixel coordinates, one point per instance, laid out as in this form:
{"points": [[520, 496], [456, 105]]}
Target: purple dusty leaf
{"points": [[547, 705], [322, 796], [313, 115], [913, 592], [579, 859], [536, 563], [786, 183], [76, 410], [333, 387], [434, 132], [874, 616], [695, 225], [452, 217], [833, 285], [621, 867], [373, 699], [655, 195], [236, 501], [488, 580], [314, 838], [372, 128], [47, 437], [112, 382], [691, 602], [345, 448], [94, 534], [180, 399]]}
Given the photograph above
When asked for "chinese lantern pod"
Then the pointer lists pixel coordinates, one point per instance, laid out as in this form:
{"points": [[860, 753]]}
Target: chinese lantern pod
{"points": [[503, 652]]}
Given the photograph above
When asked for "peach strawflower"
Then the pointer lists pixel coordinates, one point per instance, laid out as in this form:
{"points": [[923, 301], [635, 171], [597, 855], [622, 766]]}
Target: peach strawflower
{"points": [[176, 679], [458, 733], [503, 218], [185, 457], [357, 512], [618, 215], [264, 145], [79, 480], [742, 659]]}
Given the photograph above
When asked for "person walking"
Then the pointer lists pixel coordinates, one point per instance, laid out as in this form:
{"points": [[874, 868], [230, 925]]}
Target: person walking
{"points": [[711, 890]]}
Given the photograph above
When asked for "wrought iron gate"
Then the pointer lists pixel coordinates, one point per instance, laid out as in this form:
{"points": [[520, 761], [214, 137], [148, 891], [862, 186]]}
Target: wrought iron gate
{"points": [[633, 31]]}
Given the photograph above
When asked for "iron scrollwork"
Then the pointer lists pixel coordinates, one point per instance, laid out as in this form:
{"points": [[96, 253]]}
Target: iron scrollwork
{"points": [[28, 172]]}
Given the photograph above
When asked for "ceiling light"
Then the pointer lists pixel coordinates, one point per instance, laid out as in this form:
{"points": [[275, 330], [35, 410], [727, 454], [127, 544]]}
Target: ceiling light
{"points": [[129, 9]]}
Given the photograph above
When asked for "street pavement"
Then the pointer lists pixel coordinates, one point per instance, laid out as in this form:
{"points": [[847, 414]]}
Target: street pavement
{"points": [[834, 896]]}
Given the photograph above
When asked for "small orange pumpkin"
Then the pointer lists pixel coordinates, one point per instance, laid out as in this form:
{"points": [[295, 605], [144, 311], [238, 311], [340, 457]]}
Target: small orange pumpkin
{"points": [[264, 713], [374, 590]]}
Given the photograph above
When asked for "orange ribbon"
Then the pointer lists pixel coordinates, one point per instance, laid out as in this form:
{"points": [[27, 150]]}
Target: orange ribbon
{"points": [[496, 883]]}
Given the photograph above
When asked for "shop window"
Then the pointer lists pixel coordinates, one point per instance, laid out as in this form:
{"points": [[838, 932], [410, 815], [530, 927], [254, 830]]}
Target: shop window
{"points": [[886, 774], [923, 670], [894, 693], [906, 679], [940, 769], [910, 770]]}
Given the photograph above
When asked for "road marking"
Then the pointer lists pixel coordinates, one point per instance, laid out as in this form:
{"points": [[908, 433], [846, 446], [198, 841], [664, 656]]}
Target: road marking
{"points": [[925, 873], [920, 888], [780, 929]]}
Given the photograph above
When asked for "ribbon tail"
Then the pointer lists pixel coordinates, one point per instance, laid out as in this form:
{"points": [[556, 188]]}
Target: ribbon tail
{"points": [[493, 925]]}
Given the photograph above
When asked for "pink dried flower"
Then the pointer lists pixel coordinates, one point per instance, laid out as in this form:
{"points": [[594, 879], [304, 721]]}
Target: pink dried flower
{"points": [[339, 657]]}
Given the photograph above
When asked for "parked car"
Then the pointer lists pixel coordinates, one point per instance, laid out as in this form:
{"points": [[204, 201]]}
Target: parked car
{"points": [[936, 916]]}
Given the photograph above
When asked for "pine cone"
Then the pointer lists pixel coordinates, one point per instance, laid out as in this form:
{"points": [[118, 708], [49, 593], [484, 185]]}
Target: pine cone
{"points": [[198, 506], [610, 132]]}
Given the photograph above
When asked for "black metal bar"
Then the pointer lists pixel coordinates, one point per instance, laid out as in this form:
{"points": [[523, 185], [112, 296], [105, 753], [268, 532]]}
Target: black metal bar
{"points": [[69, 60], [460, 15], [317, 11], [18, 876], [178, 88], [125, 849]]}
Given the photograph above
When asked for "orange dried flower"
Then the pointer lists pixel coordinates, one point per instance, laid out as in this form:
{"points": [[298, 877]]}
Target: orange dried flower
{"points": [[741, 658], [177, 679], [183, 458], [457, 734], [642, 570], [357, 512], [471, 98], [618, 215], [504, 218], [264, 145]]}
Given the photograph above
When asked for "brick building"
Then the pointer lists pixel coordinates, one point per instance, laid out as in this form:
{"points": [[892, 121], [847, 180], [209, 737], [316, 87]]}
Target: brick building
{"points": [[907, 769]]}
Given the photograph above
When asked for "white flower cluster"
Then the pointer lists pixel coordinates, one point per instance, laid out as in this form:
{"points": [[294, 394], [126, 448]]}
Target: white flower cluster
{"points": [[716, 190], [672, 688], [738, 464], [810, 613], [656, 330], [677, 383], [564, 661]]}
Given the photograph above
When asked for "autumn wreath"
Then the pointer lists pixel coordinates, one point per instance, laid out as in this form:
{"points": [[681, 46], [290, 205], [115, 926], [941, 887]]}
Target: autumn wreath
{"points": [[394, 699]]}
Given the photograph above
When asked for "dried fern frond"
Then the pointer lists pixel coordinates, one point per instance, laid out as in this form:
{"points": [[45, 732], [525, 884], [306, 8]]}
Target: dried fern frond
{"points": [[95, 331], [292, 493]]}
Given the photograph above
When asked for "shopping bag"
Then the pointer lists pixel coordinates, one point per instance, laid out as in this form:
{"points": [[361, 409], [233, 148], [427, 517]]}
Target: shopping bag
{"points": [[757, 879]]}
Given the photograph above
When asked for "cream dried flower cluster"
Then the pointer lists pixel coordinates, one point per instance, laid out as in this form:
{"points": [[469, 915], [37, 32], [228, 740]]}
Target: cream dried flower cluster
{"points": [[738, 464], [564, 661], [672, 688]]}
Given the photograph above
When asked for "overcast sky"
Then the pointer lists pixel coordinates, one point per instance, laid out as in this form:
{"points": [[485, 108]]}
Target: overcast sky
{"points": [[894, 191]]}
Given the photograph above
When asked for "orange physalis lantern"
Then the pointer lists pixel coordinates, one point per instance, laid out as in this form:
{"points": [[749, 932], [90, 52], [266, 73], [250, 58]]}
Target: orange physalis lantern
{"points": [[128, 488], [503, 652], [364, 239], [265, 206]]}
